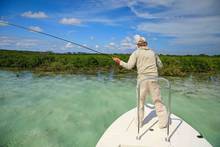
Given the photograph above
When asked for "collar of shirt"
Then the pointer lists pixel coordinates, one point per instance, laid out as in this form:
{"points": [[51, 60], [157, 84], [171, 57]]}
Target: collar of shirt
{"points": [[144, 48]]}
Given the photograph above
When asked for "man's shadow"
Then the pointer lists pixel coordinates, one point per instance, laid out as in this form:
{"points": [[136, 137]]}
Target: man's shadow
{"points": [[149, 117]]}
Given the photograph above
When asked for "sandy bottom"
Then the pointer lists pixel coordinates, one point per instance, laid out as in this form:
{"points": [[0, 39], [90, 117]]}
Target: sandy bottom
{"points": [[75, 110]]}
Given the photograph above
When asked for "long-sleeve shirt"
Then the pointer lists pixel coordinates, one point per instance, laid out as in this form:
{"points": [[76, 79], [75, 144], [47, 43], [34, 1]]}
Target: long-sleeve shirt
{"points": [[145, 60]]}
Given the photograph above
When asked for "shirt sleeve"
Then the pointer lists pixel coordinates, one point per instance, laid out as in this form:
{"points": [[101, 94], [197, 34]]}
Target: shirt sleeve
{"points": [[158, 62], [131, 62]]}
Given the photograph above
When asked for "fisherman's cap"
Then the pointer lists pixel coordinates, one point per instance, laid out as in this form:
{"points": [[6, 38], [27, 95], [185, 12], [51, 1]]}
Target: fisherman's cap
{"points": [[139, 39]]}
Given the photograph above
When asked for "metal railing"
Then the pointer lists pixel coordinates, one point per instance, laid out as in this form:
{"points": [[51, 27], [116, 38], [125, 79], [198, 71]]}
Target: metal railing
{"points": [[168, 107]]}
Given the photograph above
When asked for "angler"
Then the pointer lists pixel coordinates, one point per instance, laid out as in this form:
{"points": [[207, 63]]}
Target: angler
{"points": [[147, 63]]}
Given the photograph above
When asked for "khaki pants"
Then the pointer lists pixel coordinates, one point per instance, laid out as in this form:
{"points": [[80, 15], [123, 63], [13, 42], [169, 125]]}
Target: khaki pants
{"points": [[152, 87]]}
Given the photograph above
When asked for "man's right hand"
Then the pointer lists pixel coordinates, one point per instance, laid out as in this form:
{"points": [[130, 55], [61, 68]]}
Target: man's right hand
{"points": [[117, 60]]}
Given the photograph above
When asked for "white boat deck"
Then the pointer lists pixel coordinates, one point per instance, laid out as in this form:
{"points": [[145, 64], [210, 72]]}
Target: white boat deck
{"points": [[123, 132]]}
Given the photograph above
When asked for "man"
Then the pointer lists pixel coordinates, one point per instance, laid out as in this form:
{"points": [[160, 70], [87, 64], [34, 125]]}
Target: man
{"points": [[147, 63]]}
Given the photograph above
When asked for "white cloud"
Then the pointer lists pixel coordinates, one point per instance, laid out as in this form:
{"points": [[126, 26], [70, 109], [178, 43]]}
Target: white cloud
{"points": [[111, 45], [189, 30], [199, 40], [191, 8], [71, 32], [193, 24], [104, 5], [26, 43], [134, 7], [94, 19], [70, 21], [17, 42], [5, 41], [69, 45], [106, 21], [36, 28], [127, 43], [31, 14], [96, 46], [173, 8], [183, 26], [3, 23], [85, 45], [95, 10]]}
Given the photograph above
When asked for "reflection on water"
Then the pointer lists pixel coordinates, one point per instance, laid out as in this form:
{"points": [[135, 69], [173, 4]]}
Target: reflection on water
{"points": [[74, 110]]}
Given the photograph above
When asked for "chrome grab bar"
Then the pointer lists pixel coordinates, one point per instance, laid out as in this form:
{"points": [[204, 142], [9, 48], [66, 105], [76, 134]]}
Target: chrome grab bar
{"points": [[168, 107]]}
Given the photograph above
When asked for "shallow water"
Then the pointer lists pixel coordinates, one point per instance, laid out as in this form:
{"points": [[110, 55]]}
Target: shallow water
{"points": [[75, 110]]}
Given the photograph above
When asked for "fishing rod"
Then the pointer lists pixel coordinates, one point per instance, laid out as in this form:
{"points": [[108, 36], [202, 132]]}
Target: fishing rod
{"points": [[53, 36]]}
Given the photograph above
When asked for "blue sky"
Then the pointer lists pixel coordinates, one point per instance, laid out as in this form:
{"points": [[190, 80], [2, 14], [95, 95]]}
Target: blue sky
{"points": [[170, 26]]}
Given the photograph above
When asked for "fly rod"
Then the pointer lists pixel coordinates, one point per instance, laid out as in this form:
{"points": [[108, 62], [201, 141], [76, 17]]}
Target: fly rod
{"points": [[53, 36]]}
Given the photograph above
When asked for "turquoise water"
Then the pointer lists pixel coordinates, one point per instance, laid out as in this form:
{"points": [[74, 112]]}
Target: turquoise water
{"points": [[75, 110]]}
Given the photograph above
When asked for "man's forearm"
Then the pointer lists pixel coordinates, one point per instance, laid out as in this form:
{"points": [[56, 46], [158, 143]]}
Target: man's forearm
{"points": [[125, 65]]}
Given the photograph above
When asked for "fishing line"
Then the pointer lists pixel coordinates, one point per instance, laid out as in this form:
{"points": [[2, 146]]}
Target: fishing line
{"points": [[53, 36]]}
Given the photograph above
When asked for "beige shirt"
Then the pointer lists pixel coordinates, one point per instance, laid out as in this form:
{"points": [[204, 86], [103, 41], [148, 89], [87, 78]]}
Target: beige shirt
{"points": [[145, 60]]}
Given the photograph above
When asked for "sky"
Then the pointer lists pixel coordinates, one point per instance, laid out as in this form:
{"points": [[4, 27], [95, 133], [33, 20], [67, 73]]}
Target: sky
{"points": [[177, 27]]}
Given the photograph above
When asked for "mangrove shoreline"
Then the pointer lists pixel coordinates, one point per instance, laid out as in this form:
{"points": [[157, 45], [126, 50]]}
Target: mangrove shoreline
{"points": [[48, 62]]}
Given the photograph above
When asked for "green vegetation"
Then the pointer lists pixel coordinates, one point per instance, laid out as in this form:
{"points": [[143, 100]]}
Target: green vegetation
{"points": [[92, 63]]}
